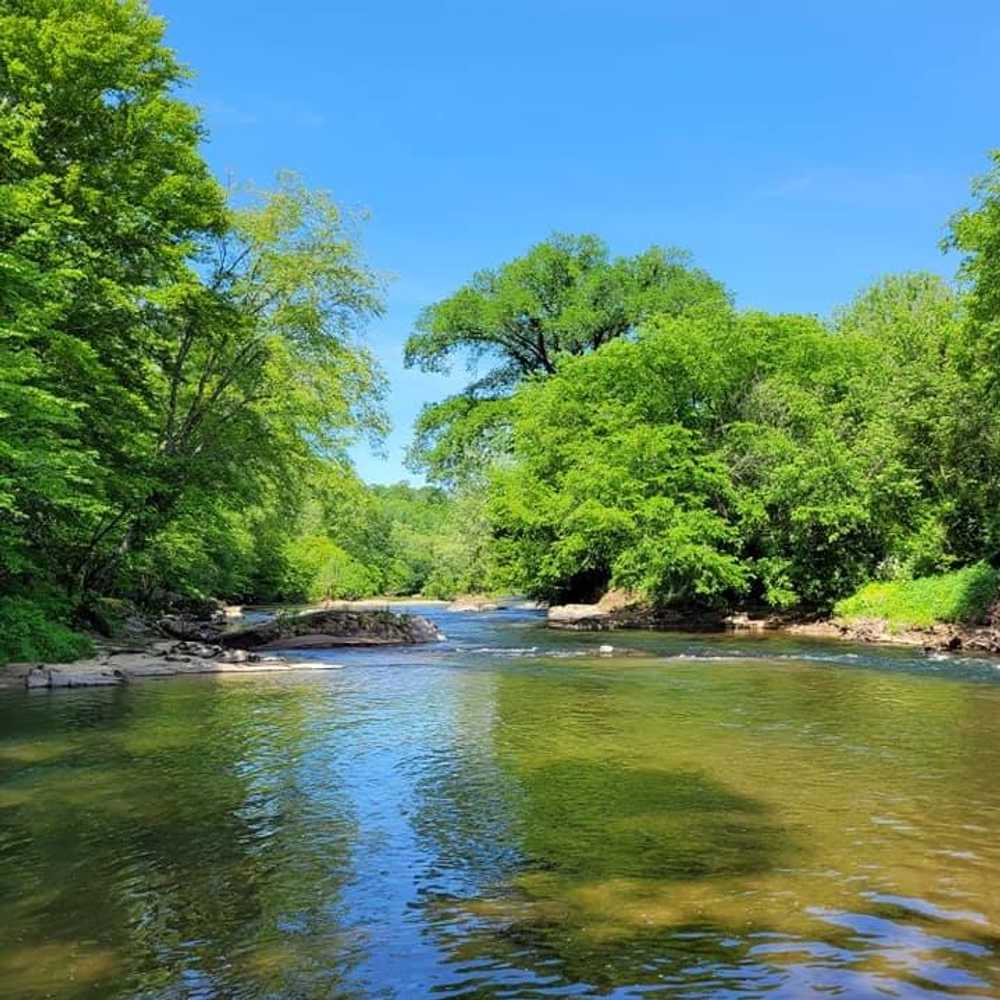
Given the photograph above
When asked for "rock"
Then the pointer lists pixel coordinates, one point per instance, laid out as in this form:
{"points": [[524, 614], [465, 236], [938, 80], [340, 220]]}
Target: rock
{"points": [[37, 677], [470, 602], [237, 656], [333, 628], [172, 604], [203, 649], [57, 677], [189, 629], [576, 615], [605, 650], [740, 621], [616, 609], [106, 678]]}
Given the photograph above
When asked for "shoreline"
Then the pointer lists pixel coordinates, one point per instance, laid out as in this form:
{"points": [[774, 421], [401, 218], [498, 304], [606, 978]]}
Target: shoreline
{"points": [[118, 667], [178, 646], [614, 616]]}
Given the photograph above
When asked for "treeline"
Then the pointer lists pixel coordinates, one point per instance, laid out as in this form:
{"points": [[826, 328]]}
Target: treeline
{"points": [[181, 369], [637, 431]]}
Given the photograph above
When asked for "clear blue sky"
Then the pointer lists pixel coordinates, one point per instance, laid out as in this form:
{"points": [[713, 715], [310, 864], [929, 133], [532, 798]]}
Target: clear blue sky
{"points": [[798, 149]]}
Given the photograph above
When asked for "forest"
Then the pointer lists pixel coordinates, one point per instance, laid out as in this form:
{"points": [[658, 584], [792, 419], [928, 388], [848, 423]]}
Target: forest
{"points": [[184, 364]]}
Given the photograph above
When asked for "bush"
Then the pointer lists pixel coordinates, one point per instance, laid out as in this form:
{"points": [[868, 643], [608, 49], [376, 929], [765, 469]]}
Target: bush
{"points": [[37, 630], [962, 597]]}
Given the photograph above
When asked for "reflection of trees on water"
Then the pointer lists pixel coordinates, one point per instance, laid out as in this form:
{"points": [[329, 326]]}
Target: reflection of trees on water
{"points": [[199, 836], [678, 829]]}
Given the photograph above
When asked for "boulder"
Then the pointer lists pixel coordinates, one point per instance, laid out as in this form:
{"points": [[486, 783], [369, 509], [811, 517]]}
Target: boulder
{"points": [[331, 627], [237, 656], [84, 674], [611, 611], [189, 629], [203, 649]]}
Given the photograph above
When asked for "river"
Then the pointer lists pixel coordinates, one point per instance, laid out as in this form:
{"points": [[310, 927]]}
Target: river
{"points": [[511, 814]]}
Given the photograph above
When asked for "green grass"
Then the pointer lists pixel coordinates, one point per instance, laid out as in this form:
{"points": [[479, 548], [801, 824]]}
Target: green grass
{"points": [[962, 597]]}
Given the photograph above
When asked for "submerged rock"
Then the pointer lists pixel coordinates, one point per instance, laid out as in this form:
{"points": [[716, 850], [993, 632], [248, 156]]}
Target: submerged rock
{"points": [[329, 627]]}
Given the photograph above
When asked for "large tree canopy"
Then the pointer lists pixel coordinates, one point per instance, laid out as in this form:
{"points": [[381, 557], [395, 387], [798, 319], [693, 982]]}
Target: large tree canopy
{"points": [[168, 359], [566, 296], [722, 457]]}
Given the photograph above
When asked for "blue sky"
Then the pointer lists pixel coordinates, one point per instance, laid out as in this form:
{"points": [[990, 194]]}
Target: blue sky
{"points": [[797, 149]]}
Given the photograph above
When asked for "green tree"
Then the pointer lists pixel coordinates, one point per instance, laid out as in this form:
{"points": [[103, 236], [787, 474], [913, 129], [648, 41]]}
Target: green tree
{"points": [[258, 365], [718, 458], [103, 196], [173, 361], [975, 233], [566, 296]]}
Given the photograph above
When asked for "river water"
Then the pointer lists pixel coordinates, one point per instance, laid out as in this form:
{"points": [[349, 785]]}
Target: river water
{"points": [[510, 814]]}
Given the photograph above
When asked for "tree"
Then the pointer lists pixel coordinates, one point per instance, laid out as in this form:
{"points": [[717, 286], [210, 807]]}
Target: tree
{"points": [[975, 233], [717, 458], [566, 296], [258, 363], [173, 359], [103, 198]]}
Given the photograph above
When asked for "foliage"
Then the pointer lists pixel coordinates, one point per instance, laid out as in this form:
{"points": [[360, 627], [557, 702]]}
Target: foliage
{"points": [[964, 596], [182, 371], [36, 630], [173, 357], [722, 457], [406, 541], [975, 233], [566, 296]]}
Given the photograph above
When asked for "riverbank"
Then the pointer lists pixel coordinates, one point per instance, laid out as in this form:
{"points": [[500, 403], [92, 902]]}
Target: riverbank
{"points": [[616, 611], [115, 666], [178, 645], [934, 638]]}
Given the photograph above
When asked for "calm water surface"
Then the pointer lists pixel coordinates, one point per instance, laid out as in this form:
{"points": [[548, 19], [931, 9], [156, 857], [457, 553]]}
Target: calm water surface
{"points": [[507, 814]]}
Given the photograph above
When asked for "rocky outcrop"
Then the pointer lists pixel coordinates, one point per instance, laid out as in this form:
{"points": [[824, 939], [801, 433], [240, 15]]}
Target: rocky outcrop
{"points": [[161, 659], [333, 627], [620, 609], [189, 629], [85, 674]]}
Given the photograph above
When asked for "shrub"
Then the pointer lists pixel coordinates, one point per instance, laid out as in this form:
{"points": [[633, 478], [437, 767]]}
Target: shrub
{"points": [[37, 630]]}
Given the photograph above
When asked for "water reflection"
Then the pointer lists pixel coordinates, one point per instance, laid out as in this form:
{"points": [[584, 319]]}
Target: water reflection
{"points": [[463, 822]]}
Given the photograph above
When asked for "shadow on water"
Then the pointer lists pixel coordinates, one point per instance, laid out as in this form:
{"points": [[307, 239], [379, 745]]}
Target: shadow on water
{"points": [[597, 820]]}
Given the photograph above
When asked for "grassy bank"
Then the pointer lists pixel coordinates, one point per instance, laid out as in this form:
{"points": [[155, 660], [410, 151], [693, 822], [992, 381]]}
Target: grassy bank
{"points": [[960, 598]]}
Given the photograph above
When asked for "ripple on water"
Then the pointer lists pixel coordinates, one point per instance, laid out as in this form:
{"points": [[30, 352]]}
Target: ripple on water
{"points": [[511, 815]]}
